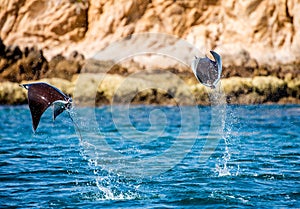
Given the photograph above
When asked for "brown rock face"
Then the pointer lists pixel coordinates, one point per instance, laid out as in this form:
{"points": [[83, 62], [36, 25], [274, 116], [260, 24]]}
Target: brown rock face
{"points": [[46, 23], [17, 65], [269, 31], [30, 64], [60, 67]]}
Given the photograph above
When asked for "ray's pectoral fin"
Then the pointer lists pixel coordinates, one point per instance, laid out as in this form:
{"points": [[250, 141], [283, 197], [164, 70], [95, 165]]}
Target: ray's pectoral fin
{"points": [[218, 60], [41, 96], [58, 107], [36, 111]]}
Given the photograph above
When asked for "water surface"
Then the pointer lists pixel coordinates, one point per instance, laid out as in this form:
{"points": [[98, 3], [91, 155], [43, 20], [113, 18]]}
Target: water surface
{"points": [[255, 164]]}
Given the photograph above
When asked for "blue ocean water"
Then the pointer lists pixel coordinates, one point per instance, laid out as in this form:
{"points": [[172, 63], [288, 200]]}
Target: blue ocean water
{"points": [[149, 157]]}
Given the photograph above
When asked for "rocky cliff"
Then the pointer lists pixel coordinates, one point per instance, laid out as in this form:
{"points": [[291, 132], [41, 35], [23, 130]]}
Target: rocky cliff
{"points": [[267, 31], [126, 43]]}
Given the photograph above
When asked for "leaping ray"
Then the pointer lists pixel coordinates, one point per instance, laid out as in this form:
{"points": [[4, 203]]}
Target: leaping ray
{"points": [[41, 96], [207, 71]]}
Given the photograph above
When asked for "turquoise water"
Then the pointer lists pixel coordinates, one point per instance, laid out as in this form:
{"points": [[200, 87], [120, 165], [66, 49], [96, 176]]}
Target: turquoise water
{"points": [[123, 160]]}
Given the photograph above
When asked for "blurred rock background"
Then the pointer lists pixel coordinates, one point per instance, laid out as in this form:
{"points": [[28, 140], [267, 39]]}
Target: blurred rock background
{"points": [[259, 41]]}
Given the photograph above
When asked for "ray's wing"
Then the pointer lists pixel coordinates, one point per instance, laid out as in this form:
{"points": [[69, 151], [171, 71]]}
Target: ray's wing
{"points": [[218, 61], [58, 107], [40, 97]]}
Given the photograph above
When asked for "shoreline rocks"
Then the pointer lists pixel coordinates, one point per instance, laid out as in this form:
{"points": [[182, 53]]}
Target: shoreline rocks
{"points": [[102, 82], [159, 88]]}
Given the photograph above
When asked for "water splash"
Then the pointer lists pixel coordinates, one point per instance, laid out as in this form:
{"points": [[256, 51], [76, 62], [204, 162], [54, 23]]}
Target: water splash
{"points": [[221, 129], [110, 186], [223, 169], [110, 192], [226, 165], [217, 124]]}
